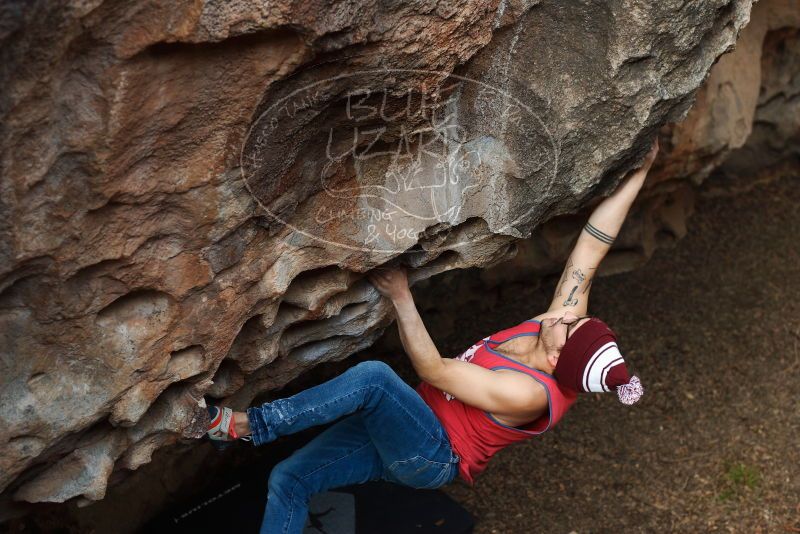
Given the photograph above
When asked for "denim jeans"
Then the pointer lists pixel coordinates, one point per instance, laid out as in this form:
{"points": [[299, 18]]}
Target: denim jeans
{"points": [[388, 433]]}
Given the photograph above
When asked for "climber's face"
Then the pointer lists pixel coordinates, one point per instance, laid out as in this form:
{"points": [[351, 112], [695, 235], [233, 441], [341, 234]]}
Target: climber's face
{"points": [[555, 331]]}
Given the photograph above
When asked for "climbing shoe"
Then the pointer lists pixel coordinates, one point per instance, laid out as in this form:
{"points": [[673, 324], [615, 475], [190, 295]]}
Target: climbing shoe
{"points": [[221, 427]]}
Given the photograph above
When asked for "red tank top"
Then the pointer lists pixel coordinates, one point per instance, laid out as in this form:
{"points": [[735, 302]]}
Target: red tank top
{"points": [[474, 434]]}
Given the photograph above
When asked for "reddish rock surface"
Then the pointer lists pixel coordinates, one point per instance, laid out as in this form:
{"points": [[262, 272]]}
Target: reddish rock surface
{"points": [[161, 240]]}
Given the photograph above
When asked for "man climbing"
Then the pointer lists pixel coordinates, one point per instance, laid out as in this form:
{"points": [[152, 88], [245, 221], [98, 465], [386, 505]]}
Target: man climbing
{"points": [[510, 386]]}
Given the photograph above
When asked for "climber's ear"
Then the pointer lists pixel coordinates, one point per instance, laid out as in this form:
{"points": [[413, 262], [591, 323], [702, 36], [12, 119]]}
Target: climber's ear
{"points": [[552, 359]]}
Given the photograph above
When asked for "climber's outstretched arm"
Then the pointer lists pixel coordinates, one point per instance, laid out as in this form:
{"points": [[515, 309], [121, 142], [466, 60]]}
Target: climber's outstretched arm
{"points": [[595, 240], [503, 393]]}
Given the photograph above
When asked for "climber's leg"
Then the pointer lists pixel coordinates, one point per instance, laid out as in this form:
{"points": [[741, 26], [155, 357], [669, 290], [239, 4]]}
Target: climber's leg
{"points": [[404, 430], [341, 455]]}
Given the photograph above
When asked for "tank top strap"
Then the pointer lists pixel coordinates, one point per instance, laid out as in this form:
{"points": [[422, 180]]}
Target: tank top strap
{"points": [[532, 325], [525, 328]]}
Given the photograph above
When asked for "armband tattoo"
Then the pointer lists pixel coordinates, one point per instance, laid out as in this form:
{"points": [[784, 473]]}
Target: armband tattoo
{"points": [[605, 238]]}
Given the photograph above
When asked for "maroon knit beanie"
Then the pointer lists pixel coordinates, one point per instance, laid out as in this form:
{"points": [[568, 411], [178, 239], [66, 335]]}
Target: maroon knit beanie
{"points": [[590, 361]]}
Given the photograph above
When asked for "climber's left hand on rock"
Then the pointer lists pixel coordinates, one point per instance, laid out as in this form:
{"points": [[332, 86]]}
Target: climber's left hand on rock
{"points": [[391, 282]]}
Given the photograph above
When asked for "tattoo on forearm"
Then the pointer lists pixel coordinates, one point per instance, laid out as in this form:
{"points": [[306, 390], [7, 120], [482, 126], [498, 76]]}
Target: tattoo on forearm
{"points": [[578, 275], [588, 286], [605, 238], [570, 301], [564, 277]]}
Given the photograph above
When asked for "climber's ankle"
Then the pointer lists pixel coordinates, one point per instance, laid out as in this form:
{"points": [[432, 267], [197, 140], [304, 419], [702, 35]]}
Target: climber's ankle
{"points": [[241, 423]]}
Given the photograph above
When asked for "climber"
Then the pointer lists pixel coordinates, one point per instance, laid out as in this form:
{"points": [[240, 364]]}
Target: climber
{"points": [[507, 387]]}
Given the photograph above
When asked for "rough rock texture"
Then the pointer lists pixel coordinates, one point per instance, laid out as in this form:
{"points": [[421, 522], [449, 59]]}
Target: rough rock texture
{"points": [[745, 122], [188, 187]]}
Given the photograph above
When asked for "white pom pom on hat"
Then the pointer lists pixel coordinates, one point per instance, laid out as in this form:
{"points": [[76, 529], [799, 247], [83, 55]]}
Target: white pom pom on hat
{"points": [[631, 392]]}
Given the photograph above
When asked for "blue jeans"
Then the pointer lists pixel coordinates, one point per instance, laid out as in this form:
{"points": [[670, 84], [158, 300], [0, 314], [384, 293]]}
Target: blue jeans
{"points": [[389, 433]]}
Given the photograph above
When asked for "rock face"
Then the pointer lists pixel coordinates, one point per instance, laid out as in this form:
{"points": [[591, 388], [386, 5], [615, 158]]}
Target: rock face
{"points": [[744, 125], [193, 191]]}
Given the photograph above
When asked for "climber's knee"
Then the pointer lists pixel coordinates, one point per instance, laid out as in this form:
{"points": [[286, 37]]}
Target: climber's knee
{"points": [[377, 371], [286, 483]]}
